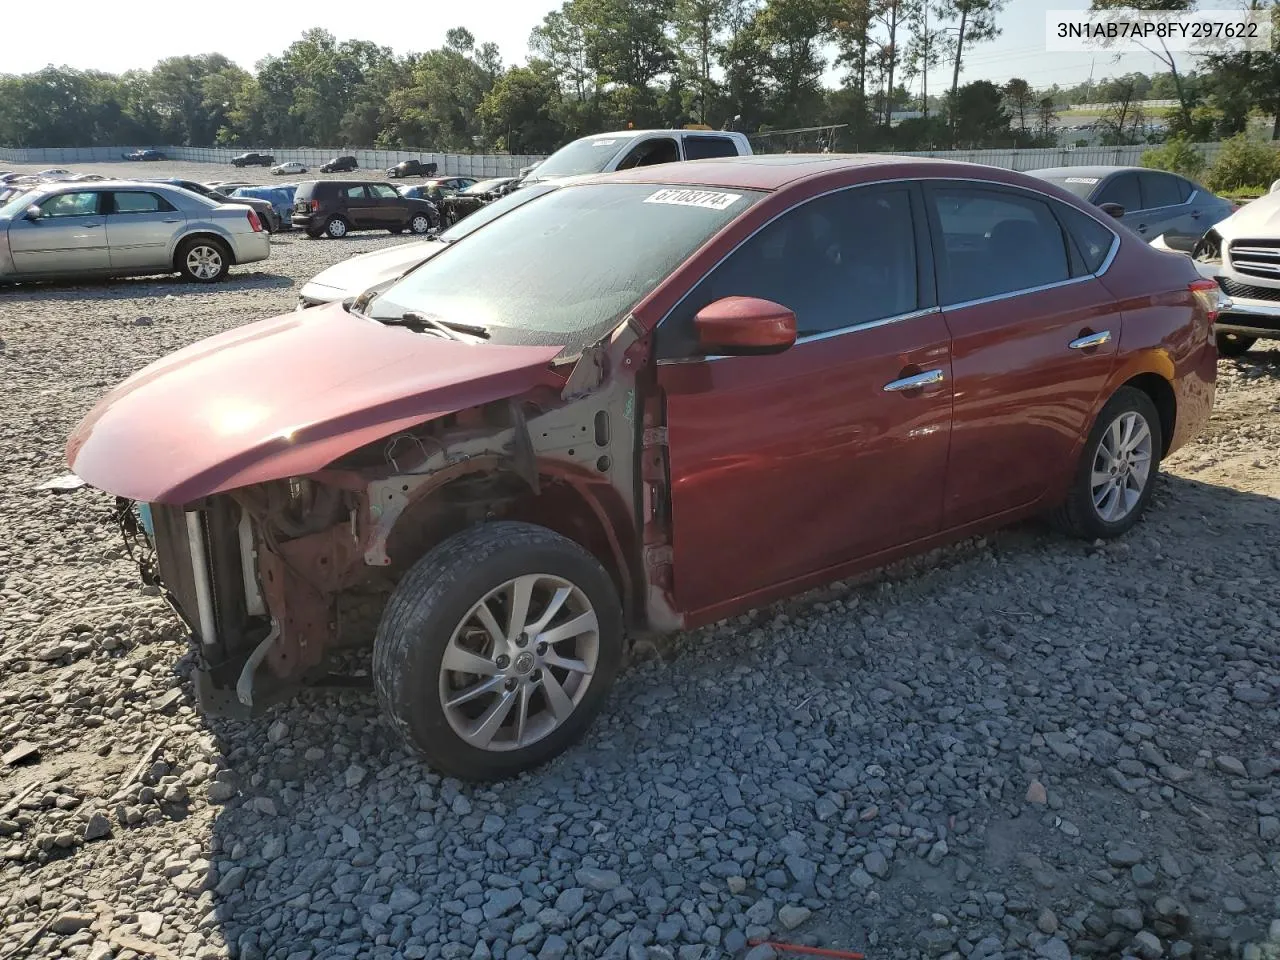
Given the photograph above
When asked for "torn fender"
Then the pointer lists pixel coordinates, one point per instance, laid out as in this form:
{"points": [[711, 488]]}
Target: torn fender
{"points": [[284, 397]]}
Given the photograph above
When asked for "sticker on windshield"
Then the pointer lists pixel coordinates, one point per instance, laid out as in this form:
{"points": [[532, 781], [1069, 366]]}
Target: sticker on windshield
{"points": [[711, 199], [602, 143], [1082, 180]]}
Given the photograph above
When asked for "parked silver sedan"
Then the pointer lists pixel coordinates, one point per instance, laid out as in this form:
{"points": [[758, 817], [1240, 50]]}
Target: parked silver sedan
{"points": [[123, 228]]}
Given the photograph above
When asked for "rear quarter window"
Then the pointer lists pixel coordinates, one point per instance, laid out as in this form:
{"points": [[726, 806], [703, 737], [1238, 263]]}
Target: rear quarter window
{"points": [[1091, 239]]}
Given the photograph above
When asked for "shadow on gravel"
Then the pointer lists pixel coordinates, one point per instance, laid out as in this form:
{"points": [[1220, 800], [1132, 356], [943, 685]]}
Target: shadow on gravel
{"points": [[240, 278], [1029, 739]]}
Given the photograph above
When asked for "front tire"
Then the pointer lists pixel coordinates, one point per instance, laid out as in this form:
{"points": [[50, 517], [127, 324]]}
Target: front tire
{"points": [[497, 649], [203, 260], [1234, 344], [1117, 471], [336, 228]]}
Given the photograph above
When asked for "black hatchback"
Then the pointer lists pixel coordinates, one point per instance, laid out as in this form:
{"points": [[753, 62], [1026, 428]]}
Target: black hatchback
{"points": [[336, 207], [339, 165]]}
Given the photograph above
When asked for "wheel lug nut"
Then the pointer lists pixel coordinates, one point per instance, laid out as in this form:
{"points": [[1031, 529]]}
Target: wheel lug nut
{"points": [[511, 683], [521, 640], [536, 676], [503, 662], [542, 648]]}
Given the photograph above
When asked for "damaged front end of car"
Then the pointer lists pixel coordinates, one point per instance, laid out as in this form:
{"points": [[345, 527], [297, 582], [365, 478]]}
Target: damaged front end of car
{"points": [[274, 578]]}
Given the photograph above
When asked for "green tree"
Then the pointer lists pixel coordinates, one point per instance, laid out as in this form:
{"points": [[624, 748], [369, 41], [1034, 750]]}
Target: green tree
{"points": [[1159, 48], [975, 23], [519, 113], [1176, 155]]}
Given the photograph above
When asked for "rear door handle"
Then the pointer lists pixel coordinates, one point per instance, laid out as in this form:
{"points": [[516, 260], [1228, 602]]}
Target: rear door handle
{"points": [[171, 220], [1142, 228], [914, 382], [1090, 341]]}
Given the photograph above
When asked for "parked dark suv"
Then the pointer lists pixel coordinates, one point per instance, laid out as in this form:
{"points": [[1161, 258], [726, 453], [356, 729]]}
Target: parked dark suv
{"points": [[411, 168], [336, 207], [339, 165], [253, 160]]}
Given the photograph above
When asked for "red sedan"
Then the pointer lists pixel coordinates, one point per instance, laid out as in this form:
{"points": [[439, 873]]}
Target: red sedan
{"points": [[644, 402]]}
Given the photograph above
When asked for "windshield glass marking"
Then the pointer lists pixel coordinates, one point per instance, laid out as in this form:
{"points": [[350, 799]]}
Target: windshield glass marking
{"points": [[1081, 180], [711, 199]]}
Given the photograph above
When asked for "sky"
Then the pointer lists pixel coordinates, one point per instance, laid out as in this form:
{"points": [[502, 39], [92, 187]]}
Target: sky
{"points": [[246, 30]]}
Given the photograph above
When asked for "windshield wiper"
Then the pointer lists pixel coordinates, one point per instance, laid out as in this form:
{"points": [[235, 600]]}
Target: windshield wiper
{"points": [[450, 328]]}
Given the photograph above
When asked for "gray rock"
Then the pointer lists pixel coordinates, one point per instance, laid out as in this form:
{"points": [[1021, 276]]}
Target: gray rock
{"points": [[1127, 918], [1054, 949], [1124, 855], [1268, 828], [1147, 945], [570, 901], [600, 881], [354, 775], [761, 951], [98, 828], [876, 864], [1230, 765], [1047, 921], [760, 913], [936, 941], [71, 922], [791, 917], [554, 948]]}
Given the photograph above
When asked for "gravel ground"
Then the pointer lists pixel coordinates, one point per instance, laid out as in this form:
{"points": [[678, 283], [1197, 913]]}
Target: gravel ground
{"points": [[1022, 746]]}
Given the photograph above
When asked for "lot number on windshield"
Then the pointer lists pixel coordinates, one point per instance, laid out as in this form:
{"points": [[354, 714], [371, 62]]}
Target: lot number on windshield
{"points": [[711, 199]]}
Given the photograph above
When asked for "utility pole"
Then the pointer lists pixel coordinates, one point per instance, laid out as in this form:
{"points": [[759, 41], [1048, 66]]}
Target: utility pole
{"points": [[924, 73]]}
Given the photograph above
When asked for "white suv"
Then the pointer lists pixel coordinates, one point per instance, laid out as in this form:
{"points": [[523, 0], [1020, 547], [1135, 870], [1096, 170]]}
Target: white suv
{"points": [[1242, 253], [606, 152]]}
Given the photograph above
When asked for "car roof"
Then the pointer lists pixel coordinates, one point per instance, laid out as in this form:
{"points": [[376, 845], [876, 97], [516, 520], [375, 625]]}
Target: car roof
{"points": [[1099, 171], [772, 171], [670, 132]]}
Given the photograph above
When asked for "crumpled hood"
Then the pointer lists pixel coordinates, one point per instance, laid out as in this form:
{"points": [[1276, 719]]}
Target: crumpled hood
{"points": [[1257, 219], [284, 397], [357, 274]]}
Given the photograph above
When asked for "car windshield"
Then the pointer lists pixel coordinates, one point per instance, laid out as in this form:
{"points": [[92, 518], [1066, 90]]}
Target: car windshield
{"points": [[484, 186], [491, 211], [15, 203], [588, 155], [1079, 184], [572, 263]]}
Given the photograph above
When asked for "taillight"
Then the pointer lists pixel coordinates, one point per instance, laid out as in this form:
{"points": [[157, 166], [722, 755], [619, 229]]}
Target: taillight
{"points": [[254, 221], [315, 206], [1208, 294]]}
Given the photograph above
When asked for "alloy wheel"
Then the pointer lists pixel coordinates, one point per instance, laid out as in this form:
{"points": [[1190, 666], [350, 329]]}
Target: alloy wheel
{"points": [[420, 224], [519, 662], [204, 262], [1121, 467]]}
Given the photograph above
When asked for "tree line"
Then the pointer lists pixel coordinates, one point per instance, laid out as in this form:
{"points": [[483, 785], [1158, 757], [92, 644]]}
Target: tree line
{"points": [[593, 65]]}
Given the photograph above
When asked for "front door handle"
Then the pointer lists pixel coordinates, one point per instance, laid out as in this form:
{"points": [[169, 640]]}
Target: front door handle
{"points": [[171, 220], [1195, 214], [1142, 228], [1090, 341], [914, 382]]}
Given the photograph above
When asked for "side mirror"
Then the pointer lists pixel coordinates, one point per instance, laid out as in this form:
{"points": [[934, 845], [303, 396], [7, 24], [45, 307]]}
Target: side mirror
{"points": [[744, 326], [1114, 209], [33, 213]]}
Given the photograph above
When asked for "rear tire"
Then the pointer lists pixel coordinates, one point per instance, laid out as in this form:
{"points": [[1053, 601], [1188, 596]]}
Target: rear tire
{"points": [[203, 259], [1233, 344], [458, 663], [1117, 471], [336, 228], [420, 223]]}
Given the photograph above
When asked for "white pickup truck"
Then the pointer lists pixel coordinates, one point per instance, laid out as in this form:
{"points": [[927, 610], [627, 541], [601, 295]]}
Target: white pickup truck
{"points": [[606, 152]]}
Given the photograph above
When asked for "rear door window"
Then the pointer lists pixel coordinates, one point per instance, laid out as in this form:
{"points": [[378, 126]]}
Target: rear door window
{"points": [[1160, 190], [994, 242], [138, 202], [703, 148], [355, 192], [1123, 190], [384, 191]]}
